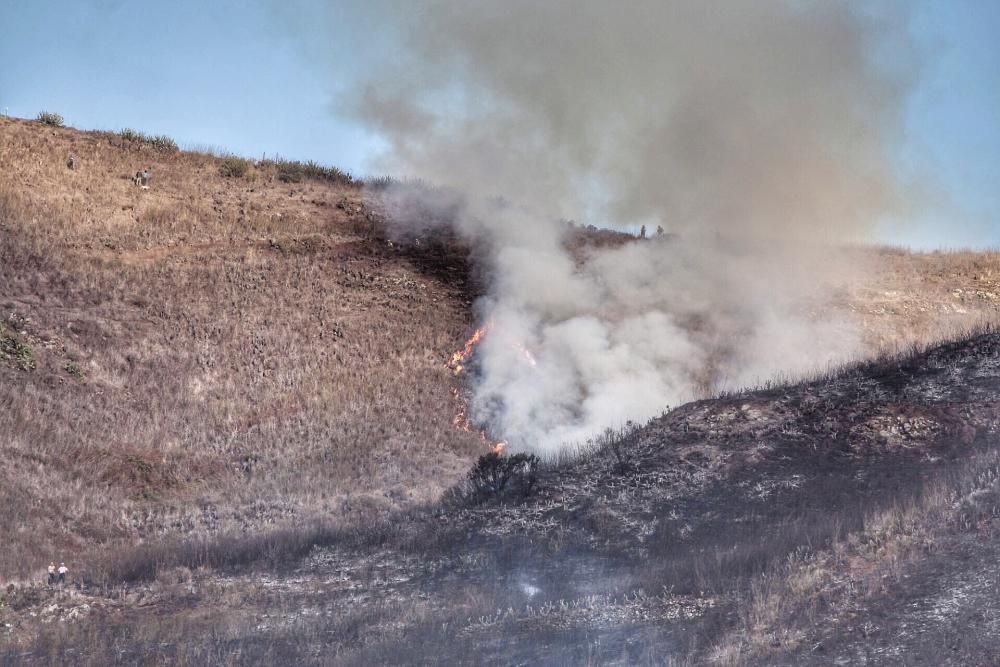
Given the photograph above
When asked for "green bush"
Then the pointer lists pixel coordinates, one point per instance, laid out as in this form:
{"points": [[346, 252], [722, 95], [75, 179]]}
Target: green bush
{"points": [[13, 349], [50, 118], [321, 173], [160, 142], [234, 167], [293, 171], [290, 172]]}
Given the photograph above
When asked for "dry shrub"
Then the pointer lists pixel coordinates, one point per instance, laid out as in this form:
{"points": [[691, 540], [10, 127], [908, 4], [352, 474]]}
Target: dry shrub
{"points": [[497, 475], [234, 167]]}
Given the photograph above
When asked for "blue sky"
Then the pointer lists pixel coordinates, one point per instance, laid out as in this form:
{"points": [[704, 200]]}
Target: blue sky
{"points": [[227, 74], [953, 122], [221, 74]]}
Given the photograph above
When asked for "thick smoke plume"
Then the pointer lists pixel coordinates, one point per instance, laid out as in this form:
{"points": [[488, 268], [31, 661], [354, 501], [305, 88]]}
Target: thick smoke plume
{"points": [[759, 134]]}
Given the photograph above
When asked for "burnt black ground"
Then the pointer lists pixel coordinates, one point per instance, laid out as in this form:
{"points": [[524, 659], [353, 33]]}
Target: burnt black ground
{"points": [[658, 555], [943, 610]]}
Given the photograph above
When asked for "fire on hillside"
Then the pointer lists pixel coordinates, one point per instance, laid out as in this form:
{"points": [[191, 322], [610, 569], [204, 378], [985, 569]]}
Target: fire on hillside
{"points": [[458, 360], [457, 364]]}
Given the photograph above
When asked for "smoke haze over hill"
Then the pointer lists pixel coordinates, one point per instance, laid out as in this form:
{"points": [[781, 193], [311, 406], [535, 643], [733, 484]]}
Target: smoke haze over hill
{"points": [[760, 133]]}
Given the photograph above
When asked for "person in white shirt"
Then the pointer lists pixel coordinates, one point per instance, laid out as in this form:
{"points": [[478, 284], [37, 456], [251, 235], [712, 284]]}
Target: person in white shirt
{"points": [[52, 574], [62, 573]]}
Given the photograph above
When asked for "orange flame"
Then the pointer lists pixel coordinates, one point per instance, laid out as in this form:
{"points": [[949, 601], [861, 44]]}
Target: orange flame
{"points": [[457, 364]]}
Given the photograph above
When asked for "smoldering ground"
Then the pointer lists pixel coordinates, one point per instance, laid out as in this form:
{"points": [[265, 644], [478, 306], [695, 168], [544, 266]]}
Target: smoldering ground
{"points": [[761, 134]]}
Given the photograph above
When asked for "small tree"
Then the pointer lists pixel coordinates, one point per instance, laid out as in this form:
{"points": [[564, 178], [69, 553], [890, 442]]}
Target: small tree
{"points": [[495, 474], [489, 476]]}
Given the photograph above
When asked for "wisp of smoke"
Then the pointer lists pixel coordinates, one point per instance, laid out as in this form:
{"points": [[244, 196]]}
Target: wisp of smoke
{"points": [[759, 134]]}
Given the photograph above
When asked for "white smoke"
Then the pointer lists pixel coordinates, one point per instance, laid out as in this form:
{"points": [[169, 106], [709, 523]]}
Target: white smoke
{"points": [[578, 342], [761, 133]]}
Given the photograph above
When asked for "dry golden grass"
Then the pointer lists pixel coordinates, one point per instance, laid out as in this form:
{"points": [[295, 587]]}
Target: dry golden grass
{"points": [[908, 298], [212, 354]]}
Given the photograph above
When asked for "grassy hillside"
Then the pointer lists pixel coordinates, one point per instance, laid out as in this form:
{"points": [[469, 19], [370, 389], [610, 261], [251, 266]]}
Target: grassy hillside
{"points": [[213, 353], [224, 402]]}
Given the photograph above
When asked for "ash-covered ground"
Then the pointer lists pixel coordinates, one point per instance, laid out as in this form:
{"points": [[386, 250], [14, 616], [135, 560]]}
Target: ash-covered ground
{"points": [[848, 520]]}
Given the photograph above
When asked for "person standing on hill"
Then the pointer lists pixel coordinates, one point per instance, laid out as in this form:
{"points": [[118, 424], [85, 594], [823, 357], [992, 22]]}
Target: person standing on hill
{"points": [[62, 573], [71, 162], [145, 176], [52, 574]]}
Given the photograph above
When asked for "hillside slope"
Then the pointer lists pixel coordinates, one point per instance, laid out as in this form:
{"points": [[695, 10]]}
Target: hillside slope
{"points": [[208, 354], [844, 520], [224, 402]]}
